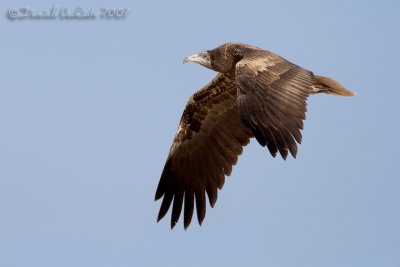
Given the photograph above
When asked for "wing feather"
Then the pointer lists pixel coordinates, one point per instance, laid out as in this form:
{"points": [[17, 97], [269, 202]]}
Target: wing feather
{"points": [[189, 207], [200, 204], [272, 99], [207, 144]]}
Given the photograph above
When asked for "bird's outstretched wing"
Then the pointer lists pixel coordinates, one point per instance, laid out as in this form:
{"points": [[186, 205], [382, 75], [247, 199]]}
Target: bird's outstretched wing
{"points": [[272, 99], [206, 146]]}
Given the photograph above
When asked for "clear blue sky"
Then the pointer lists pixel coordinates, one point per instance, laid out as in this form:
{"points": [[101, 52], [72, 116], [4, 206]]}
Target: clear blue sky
{"points": [[88, 110]]}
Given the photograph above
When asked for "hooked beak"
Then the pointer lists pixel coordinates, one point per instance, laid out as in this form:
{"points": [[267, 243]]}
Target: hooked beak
{"points": [[202, 58]]}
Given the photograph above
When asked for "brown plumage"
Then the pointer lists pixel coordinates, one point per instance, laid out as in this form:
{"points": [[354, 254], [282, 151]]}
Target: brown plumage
{"points": [[256, 94]]}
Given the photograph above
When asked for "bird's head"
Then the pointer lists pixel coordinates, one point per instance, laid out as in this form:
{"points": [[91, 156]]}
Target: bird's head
{"points": [[221, 59]]}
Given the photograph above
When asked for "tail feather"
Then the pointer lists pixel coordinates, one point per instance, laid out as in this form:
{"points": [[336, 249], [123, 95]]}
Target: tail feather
{"points": [[330, 86]]}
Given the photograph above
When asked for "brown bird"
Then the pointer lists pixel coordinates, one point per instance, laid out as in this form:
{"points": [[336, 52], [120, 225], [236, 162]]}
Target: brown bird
{"points": [[255, 94]]}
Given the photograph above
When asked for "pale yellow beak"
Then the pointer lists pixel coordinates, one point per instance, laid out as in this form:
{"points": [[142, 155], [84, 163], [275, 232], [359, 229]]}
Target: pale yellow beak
{"points": [[202, 58]]}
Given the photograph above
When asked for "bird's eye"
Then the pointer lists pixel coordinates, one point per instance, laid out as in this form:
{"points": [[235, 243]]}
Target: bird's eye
{"points": [[209, 54]]}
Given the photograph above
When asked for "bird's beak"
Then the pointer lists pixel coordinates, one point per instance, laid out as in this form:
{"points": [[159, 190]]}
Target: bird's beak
{"points": [[202, 58]]}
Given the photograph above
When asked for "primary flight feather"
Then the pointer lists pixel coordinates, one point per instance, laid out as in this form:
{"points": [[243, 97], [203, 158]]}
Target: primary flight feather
{"points": [[255, 94]]}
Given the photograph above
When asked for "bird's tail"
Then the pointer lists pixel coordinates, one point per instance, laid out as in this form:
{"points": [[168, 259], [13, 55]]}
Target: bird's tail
{"points": [[329, 86]]}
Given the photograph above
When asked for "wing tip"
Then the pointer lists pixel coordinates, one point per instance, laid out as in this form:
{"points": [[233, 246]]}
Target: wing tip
{"points": [[173, 225], [157, 196], [159, 217], [186, 226]]}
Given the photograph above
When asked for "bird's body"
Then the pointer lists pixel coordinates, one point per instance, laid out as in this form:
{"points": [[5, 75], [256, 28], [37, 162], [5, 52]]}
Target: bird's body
{"points": [[256, 94]]}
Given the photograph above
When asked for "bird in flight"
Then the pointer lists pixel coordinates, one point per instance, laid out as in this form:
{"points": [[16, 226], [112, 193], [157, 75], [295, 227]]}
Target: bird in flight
{"points": [[256, 93]]}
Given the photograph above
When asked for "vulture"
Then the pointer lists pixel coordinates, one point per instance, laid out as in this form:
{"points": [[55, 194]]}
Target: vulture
{"points": [[256, 93]]}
